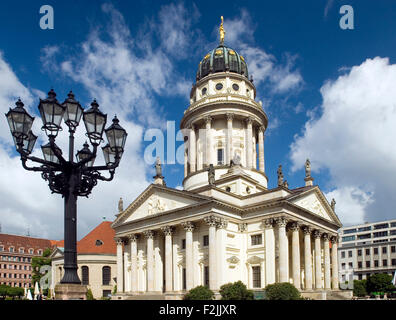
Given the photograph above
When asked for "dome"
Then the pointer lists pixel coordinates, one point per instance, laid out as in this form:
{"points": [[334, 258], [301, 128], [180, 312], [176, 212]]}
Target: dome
{"points": [[222, 59]]}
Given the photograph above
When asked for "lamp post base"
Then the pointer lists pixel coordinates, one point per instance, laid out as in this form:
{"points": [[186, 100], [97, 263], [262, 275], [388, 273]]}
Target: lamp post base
{"points": [[70, 291]]}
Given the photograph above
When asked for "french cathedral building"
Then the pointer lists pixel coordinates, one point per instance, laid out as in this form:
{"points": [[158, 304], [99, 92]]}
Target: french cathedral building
{"points": [[226, 224]]}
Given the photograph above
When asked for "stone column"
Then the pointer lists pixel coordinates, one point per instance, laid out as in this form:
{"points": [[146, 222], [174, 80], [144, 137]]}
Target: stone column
{"points": [[175, 260], [208, 144], [192, 153], [307, 258], [283, 249], [134, 267], [120, 267], [334, 262], [221, 253], [318, 259], [211, 221], [185, 159], [261, 148], [229, 155], [189, 227], [269, 237], [149, 234], [249, 144], [327, 273], [254, 160], [296, 255], [168, 231]]}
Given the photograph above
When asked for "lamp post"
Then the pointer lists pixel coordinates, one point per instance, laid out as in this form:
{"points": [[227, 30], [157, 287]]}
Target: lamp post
{"points": [[68, 177]]}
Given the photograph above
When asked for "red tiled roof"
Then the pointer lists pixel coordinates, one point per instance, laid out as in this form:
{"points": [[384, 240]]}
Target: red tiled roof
{"points": [[10, 240], [58, 243], [105, 234]]}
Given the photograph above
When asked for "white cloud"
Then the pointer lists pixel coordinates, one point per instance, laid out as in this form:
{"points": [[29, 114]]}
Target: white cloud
{"points": [[353, 138]]}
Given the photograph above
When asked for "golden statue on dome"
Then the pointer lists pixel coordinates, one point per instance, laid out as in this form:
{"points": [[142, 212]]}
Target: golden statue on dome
{"points": [[222, 31]]}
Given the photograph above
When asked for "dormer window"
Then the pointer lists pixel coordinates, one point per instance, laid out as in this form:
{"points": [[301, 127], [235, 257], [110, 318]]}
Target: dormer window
{"points": [[98, 243]]}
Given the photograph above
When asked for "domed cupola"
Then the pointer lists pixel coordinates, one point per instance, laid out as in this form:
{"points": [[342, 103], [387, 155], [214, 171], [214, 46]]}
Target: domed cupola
{"points": [[224, 126], [222, 59]]}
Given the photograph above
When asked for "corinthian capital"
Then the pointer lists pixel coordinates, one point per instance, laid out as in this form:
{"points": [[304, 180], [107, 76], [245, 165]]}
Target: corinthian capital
{"points": [[167, 230], [222, 223], [188, 226], [230, 116], [281, 222], [317, 234], [307, 229], [208, 119], [268, 223], [294, 226], [211, 221], [149, 234]]}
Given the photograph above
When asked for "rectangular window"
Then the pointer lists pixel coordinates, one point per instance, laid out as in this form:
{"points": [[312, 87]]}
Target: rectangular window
{"points": [[360, 276], [349, 231], [392, 232], [380, 234], [375, 263], [360, 264], [367, 264], [350, 265], [364, 229], [220, 157], [348, 238], [393, 249], [205, 240], [385, 262], [393, 224], [375, 250], [350, 254], [342, 254], [393, 262], [256, 275], [367, 252], [384, 250], [343, 266], [359, 252], [364, 236], [380, 226], [206, 276], [256, 239]]}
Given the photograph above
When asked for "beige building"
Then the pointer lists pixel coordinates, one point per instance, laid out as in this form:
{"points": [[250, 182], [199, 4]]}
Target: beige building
{"points": [[367, 249], [226, 224], [96, 261]]}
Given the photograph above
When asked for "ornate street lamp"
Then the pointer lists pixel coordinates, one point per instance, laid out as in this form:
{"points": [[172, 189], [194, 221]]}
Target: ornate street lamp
{"points": [[69, 178]]}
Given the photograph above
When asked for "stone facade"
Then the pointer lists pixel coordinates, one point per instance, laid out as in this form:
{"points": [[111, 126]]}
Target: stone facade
{"points": [[226, 224]]}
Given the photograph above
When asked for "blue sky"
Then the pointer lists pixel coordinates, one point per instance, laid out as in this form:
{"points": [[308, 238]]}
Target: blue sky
{"points": [[327, 92]]}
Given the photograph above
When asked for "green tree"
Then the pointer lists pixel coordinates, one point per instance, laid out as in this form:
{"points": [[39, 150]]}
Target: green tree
{"points": [[199, 293], [359, 288], [236, 291], [90, 295], [37, 263], [379, 282], [282, 291], [3, 291], [14, 292]]}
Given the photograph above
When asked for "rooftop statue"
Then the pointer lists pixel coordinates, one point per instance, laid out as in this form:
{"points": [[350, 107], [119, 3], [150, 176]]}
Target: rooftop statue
{"points": [[280, 175], [222, 31], [120, 205], [211, 174], [307, 169]]}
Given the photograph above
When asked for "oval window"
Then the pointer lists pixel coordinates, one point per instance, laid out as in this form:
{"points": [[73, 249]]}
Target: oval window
{"points": [[219, 86], [204, 90], [235, 87]]}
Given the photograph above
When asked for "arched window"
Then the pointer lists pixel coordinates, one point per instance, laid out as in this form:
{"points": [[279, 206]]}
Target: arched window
{"points": [[106, 274], [85, 275]]}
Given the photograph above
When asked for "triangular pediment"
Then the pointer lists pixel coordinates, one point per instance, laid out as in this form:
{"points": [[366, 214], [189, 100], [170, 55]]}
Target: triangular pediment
{"points": [[315, 202], [157, 200]]}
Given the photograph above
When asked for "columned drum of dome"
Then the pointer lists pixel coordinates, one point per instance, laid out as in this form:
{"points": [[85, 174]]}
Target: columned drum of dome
{"points": [[223, 90]]}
